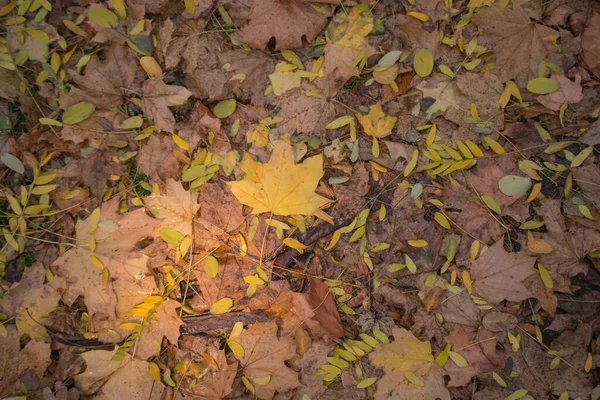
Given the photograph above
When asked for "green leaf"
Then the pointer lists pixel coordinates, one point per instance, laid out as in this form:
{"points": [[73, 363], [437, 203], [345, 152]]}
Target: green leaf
{"points": [[225, 108], [78, 112], [423, 63], [13, 163], [543, 86]]}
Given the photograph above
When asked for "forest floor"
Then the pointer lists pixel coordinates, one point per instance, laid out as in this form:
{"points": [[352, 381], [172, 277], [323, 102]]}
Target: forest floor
{"points": [[289, 199]]}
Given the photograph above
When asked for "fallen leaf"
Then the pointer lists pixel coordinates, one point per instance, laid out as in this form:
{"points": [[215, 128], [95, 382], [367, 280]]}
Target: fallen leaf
{"points": [[129, 378], [157, 99], [407, 355], [519, 44], [107, 83], [289, 189], [570, 92], [589, 41], [290, 23], [376, 123], [265, 355], [498, 275]]}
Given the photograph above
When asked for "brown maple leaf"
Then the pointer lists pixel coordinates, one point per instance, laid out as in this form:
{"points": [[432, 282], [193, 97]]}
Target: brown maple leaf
{"points": [[107, 83], [292, 23], [570, 92], [590, 43], [157, 99], [518, 43], [498, 275], [480, 353]]}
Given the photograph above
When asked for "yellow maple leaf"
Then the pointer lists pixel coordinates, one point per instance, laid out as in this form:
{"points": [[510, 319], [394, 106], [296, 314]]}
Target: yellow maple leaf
{"points": [[280, 186], [410, 370], [376, 123]]}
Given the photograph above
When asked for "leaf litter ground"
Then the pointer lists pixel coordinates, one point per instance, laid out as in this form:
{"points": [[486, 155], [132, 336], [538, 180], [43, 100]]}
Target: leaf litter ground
{"points": [[300, 200]]}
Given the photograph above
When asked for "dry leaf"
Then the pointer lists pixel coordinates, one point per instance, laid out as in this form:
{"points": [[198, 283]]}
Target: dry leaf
{"points": [[498, 275], [265, 355], [157, 99], [518, 43], [289, 189], [406, 354]]}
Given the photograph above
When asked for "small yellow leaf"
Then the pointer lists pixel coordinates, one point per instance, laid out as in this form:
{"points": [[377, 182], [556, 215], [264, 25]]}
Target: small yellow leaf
{"points": [[211, 266], [458, 359], [262, 381], [38, 190], [97, 263], [236, 331], [78, 112], [410, 264], [585, 212], [516, 395], [495, 146], [49, 121], [467, 281], [236, 348], [365, 383], [498, 379], [248, 385], [414, 379], [412, 163], [543, 85], [423, 63], [441, 219], [119, 6], [182, 144], [151, 67], [582, 156], [222, 306], [171, 236], [474, 112], [103, 17], [224, 108], [417, 243], [129, 326], [545, 275], [418, 15], [588, 363], [154, 371], [491, 204], [294, 244], [339, 122]]}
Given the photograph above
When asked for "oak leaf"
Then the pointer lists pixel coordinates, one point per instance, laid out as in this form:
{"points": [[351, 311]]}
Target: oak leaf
{"points": [[376, 123], [443, 90], [407, 356], [157, 99], [280, 186], [265, 355], [498, 275], [519, 43]]}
